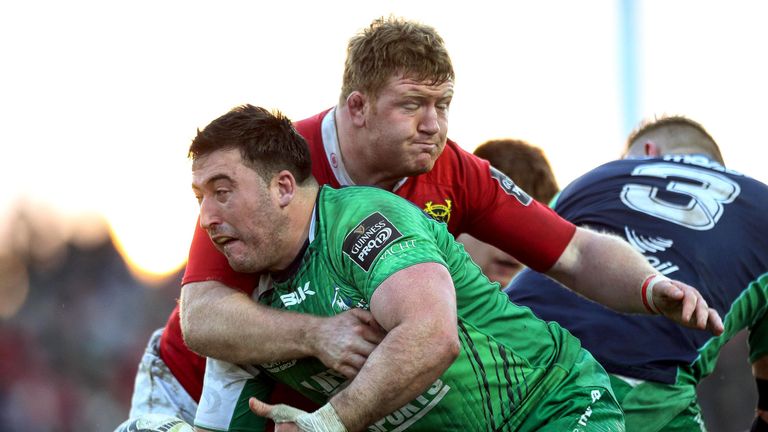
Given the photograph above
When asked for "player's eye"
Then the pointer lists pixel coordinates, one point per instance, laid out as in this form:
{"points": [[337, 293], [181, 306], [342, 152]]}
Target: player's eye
{"points": [[411, 105], [222, 194]]}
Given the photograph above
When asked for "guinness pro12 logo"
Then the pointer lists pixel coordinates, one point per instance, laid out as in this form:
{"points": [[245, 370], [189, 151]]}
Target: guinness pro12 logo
{"points": [[368, 239]]}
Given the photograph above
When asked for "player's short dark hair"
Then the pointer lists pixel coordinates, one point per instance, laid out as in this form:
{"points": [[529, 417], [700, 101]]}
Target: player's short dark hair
{"points": [[392, 46], [267, 141], [524, 163]]}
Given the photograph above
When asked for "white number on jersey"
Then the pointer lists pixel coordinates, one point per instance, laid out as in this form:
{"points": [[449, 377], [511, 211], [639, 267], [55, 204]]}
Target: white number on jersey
{"points": [[710, 192]]}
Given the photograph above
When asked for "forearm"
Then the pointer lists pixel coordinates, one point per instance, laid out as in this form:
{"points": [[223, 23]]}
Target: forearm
{"points": [[398, 371], [224, 323], [606, 269]]}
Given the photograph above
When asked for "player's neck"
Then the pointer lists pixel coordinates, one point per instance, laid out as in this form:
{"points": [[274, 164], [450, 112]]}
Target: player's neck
{"points": [[300, 221], [360, 166], [369, 174]]}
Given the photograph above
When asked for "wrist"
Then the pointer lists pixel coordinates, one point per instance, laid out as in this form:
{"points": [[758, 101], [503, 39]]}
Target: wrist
{"points": [[310, 342], [646, 292], [325, 419]]}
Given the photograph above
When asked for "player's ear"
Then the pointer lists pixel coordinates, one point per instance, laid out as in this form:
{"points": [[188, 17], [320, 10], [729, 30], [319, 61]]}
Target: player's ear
{"points": [[284, 186], [357, 105], [651, 149]]}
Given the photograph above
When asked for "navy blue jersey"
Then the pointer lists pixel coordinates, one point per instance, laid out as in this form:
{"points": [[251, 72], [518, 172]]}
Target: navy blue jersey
{"points": [[695, 221]]}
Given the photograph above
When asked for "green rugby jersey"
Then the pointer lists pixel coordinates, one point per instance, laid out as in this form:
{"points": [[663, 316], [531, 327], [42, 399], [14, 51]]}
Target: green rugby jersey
{"points": [[359, 237]]}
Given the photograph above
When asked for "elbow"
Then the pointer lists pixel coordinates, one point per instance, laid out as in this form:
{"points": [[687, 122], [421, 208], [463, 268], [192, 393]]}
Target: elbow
{"points": [[190, 311], [452, 352], [448, 349], [192, 338]]}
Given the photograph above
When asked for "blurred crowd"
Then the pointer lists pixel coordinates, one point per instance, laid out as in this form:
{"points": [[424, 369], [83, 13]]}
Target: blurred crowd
{"points": [[69, 353]]}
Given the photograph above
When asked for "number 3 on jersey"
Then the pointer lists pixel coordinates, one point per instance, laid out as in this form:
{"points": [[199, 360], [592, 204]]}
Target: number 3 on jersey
{"points": [[708, 192]]}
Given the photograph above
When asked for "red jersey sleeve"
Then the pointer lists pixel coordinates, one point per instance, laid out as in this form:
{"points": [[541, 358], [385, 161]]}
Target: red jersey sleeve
{"points": [[207, 263], [505, 216]]}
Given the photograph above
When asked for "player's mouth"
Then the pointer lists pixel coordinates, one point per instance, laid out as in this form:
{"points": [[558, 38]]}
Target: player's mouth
{"points": [[426, 146], [223, 241]]}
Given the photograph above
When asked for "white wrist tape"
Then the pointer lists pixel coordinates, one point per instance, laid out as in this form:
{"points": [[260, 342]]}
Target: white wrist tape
{"points": [[282, 413], [647, 292], [324, 419]]}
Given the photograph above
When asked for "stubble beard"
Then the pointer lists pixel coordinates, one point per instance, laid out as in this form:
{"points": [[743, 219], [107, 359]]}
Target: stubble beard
{"points": [[263, 255], [243, 264]]}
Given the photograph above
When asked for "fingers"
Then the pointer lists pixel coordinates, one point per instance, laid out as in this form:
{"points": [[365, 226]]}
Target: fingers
{"points": [[676, 296], [708, 319], [371, 330], [350, 363], [373, 334], [688, 307], [694, 307], [715, 323], [672, 289], [352, 366], [696, 312], [345, 341], [680, 298], [349, 372], [357, 333], [278, 413], [260, 408], [367, 317], [667, 297], [702, 312]]}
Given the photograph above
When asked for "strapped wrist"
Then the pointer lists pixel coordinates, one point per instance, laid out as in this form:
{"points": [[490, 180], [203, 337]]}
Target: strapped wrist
{"points": [[324, 419], [647, 292]]}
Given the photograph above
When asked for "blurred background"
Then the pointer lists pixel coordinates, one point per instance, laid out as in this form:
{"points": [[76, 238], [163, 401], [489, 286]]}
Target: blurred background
{"points": [[99, 101]]}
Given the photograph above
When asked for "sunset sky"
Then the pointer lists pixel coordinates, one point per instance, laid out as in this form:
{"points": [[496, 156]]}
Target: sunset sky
{"points": [[100, 99]]}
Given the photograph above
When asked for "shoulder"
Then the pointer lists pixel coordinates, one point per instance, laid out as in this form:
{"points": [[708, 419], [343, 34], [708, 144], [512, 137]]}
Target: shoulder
{"points": [[364, 199], [360, 222], [346, 209], [311, 122], [310, 127]]}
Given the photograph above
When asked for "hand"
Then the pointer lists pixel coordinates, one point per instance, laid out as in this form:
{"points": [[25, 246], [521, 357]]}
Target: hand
{"points": [[284, 416], [343, 342], [684, 304], [290, 419]]}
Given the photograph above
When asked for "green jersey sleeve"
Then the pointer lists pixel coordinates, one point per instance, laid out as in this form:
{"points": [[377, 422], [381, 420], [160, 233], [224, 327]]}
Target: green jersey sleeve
{"points": [[384, 235], [758, 332]]}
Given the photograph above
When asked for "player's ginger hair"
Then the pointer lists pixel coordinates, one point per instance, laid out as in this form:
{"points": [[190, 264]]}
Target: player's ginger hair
{"points": [[391, 46]]}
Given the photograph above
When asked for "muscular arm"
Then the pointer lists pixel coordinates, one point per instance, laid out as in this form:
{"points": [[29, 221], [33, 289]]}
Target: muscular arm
{"points": [[603, 268], [421, 344], [607, 270], [220, 322]]}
